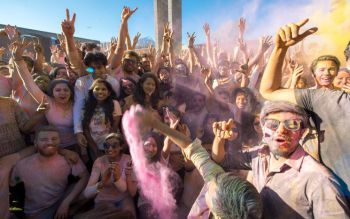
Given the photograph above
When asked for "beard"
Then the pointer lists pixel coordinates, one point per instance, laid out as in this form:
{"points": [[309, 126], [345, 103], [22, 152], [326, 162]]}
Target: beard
{"points": [[48, 152], [128, 68]]}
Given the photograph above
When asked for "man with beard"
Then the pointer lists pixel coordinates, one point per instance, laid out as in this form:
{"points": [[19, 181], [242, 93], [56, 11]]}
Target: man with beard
{"points": [[329, 109], [291, 183], [165, 80], [46, 175], [196, 114], [224, 79], [129, 67], [145, 64]]}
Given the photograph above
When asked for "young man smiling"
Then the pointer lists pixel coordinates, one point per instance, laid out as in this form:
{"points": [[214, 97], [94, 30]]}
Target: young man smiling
{"points": [[329, 109], [291, 183], [47, 192]]}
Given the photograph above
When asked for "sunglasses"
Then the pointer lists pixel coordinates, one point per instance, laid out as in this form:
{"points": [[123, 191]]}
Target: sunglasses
{"points": [[290, 124], [130, 61], [114, 145]]}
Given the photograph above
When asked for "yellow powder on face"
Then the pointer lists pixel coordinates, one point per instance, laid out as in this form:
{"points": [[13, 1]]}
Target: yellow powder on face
{"points": [[333, 31]]}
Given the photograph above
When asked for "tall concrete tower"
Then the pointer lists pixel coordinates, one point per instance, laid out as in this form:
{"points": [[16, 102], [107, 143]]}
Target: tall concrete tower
{"points": [[175, 21], [168, 11]]}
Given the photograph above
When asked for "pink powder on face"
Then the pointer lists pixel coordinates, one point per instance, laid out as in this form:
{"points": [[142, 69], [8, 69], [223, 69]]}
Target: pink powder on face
{"points": [[153, 178]]}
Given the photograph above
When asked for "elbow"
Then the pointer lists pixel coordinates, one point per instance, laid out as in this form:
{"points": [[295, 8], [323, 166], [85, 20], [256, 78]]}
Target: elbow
{"points": [[217, 158], [265, 93]]}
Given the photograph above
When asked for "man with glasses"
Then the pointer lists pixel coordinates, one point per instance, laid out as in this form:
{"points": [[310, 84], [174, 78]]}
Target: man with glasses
{"points": [[291, 183], [329, 109], [129, 67]]}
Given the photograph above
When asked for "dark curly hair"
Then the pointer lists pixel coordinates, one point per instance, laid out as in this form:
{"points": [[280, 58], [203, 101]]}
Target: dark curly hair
{"points": [[139, 93], [91, 104], [95, 57]]}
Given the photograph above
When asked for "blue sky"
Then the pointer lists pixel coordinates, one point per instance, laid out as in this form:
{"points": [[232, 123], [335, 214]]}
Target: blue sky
{"points": [[100, 20]]}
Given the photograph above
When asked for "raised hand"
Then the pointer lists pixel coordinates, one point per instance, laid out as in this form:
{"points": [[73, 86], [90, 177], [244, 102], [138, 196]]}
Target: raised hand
{"points": [[297, 72], [168, 33], [223, 129], [18, 47], [174, 121], [206, 29], [291, 64], [241, 24], [289, 35], [67, 25], [61, 40], [12, 33], [127, 12], [191, 38], [136, 39], [44, 106], [37, 46], [265, 43], [151, 51], [113, 44]]}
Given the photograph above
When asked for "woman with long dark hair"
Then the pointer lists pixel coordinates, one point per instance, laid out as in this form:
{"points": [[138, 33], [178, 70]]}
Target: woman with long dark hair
{"points": [[146, 93], [127, 88], [101, 116]]}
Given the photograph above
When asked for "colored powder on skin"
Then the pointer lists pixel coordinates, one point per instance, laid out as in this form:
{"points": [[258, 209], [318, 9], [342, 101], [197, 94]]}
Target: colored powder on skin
{"points": [[334, 29], [153, 178]]}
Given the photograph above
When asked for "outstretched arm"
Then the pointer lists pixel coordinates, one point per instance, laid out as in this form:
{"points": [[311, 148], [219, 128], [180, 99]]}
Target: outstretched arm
{"points": [[264, 45], [222, 131], [209, 48], [118, 54], [68, 30], [147, 119], [135, 40], [39, 56], [287, 36], [22, 70]]}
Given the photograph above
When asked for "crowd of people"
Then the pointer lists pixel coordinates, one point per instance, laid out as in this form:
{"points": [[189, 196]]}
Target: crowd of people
{"points": [[260, 134]]}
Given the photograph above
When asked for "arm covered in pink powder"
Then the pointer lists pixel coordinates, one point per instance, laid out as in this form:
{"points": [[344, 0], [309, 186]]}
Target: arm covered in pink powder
{"points": [[147, 119]]}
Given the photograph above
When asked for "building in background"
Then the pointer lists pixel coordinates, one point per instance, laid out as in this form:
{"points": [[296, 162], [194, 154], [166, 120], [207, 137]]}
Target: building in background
{"points": [[46, 39]]}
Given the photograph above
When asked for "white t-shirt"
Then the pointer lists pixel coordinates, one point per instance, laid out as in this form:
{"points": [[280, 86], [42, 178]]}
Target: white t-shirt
{"points": [[99, 127]]}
